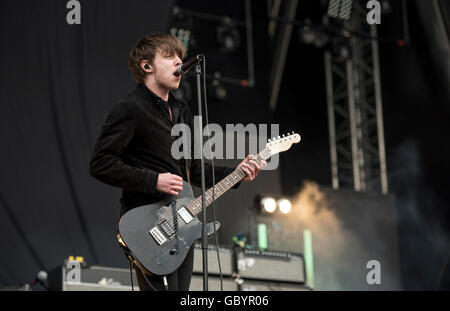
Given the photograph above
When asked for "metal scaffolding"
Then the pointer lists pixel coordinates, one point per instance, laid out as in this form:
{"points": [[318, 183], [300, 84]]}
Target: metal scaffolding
{"points": [[355, 114]]}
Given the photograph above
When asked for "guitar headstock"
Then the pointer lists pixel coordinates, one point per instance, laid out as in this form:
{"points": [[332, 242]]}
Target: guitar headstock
{"points": [[283, 143]]}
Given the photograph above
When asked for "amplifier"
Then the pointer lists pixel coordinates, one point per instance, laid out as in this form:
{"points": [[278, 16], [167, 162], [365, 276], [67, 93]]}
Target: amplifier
{"points": [[226, 260], [94, 278], [271, 266], [14, 288], [228, 283], [272, 286]]}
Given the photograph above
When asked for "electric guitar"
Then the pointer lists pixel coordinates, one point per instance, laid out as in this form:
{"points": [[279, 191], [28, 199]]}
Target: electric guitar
{"points": [[158, 236]]}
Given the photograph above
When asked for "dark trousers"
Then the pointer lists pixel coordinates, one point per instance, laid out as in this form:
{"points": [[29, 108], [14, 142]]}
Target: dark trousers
{"points": [[177, 281]]}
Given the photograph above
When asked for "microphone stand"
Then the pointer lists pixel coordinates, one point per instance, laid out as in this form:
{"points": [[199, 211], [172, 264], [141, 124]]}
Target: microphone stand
{"points": [[202, 161]]}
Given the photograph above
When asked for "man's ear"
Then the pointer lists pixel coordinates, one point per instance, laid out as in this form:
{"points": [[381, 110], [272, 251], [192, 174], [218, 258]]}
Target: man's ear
{"points": [[146, 66]]}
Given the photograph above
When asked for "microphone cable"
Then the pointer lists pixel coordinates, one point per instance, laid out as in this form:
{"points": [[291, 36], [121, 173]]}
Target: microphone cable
{"points": [[213, 173]]}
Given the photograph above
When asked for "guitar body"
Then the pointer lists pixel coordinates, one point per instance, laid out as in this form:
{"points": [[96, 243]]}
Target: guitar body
{"points": [[178, 236], [160, 235]]}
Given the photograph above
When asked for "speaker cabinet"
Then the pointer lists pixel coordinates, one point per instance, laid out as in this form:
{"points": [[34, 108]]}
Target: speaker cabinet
{"points": [[271, 266], [272, 286], [226, 260], [213, 283]]}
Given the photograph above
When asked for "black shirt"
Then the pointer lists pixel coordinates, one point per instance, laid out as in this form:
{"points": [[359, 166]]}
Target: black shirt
{"points": [[135, 146]]}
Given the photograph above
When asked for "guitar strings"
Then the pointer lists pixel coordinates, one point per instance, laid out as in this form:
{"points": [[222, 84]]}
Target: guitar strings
{"points": [[258, 156], [221, 189], [174, 219]]}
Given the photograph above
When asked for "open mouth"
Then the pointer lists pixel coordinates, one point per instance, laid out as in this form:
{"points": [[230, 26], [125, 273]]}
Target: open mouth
{"points": [[176, 74]]}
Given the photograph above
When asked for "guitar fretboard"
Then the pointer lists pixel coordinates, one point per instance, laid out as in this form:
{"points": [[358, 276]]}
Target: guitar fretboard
{"points": [[195, 207]]}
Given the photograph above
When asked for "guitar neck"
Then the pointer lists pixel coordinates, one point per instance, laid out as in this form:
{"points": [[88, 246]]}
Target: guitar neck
{"points": [[195, 207]]}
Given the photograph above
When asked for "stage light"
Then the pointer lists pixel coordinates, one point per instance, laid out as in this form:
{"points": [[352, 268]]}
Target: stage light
{"points": [[262, 236], [181, 26], [343, 52], [306, 35], [184, 35], [346, 10], [228, 37], [386, 7], [216, 90], [219, 91], [333, 8], [269, 204], [285, 206], [340, 9], [312, 34]]}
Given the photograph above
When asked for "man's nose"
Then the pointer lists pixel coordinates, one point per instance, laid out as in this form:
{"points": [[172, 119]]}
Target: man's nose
{"points": [[178, 61]]}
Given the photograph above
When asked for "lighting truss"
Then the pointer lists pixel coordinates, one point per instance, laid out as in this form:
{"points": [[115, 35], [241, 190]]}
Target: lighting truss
{"points": [[355, 114]]}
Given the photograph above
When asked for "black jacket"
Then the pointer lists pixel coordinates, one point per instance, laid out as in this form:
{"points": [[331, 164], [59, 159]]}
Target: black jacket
{"points": [[135, 146]]}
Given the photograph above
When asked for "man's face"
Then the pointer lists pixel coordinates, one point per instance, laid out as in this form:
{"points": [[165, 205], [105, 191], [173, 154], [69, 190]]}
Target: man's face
{"points": [[164, 67]]}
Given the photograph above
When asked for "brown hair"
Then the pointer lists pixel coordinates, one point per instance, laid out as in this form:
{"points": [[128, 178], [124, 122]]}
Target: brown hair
{"points": [[146, 49]]}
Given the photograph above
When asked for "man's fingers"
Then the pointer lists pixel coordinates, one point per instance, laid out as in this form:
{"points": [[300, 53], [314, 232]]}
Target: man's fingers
{"points": [[169, 183], [178, 178], [253, 162], [176, 183], [251, 167], [177, 188], [248, 171], [245, 170], [252, 159], [263, 164]]}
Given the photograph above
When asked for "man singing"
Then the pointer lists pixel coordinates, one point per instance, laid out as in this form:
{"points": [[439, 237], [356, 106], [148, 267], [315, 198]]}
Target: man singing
{"points": [[133, 151]]}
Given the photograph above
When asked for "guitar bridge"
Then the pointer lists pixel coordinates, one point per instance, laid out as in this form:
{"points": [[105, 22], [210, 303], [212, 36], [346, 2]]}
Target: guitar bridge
{"points": [[162, 232], [166, 228]]}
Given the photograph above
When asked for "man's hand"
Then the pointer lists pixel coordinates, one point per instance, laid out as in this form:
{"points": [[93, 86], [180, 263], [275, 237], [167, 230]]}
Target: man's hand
{"points": [[251, 167], [169, 183]]}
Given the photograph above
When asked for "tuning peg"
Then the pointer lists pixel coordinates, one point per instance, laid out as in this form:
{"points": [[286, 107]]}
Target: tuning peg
{"points": [[268, 140], [283, 135], [279, 137], [274, 138]]}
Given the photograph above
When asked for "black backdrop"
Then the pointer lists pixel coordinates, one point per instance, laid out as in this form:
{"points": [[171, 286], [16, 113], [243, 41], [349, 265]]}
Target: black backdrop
{"points": [[58, 81]]}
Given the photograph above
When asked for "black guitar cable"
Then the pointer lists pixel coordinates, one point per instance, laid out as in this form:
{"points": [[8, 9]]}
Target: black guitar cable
{"points": [[213, 174], [130, 260], [131, 276], [149, 283]]}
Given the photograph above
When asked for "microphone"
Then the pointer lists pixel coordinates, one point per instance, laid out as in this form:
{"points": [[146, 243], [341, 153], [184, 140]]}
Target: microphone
{"points": [[187, 66]]}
